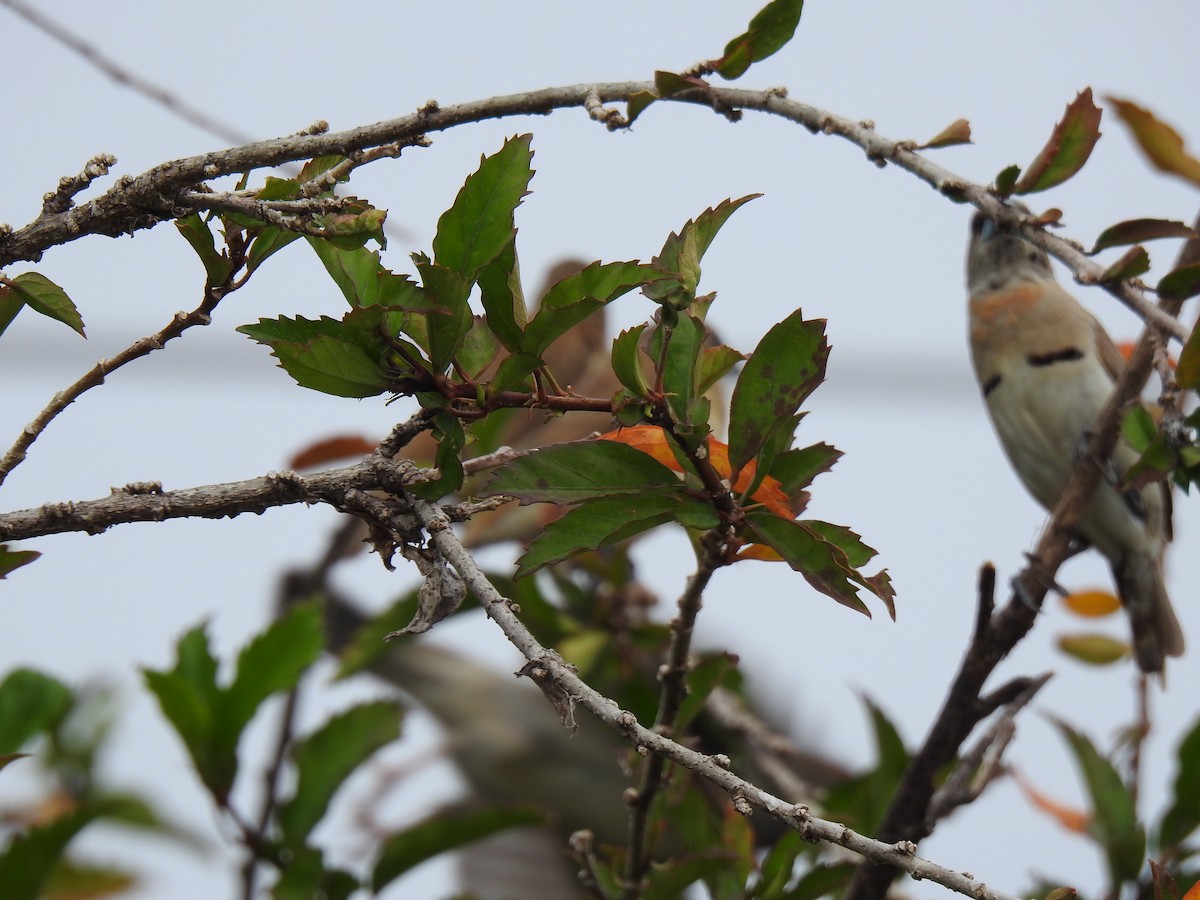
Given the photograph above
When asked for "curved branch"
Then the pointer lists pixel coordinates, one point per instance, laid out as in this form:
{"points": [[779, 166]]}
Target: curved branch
{"points": [[145, 200]]}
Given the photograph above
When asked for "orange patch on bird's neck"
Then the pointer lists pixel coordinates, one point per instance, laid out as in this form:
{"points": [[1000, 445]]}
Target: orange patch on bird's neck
{"points": [[1007, 303]]}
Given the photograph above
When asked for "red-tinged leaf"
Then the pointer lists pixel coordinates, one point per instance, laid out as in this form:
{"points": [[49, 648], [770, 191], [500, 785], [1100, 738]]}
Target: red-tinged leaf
{"points": [[1051, 216], [770, 29], [334, 449], [1187, 372], [1133, 263], [10, 560], [1181, 283], [1134, 231], [1005, 179], [1068, 149], [1092, 604], [1070, 818], [1093, 649], [1062, 893], [43, 296], [957, 132], [1159, 141]]}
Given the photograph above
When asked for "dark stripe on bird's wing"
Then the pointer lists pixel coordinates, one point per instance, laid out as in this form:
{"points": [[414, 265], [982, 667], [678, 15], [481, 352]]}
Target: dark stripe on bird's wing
{"points": [[991, 384], [1066, 354]]}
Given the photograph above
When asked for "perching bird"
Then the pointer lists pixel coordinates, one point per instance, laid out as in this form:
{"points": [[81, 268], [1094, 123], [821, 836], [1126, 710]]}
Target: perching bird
{"points": [[1046, 368]]}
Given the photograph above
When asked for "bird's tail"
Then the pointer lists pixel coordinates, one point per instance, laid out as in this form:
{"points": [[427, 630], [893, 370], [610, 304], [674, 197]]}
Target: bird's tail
{"points": [[1156, 631]]}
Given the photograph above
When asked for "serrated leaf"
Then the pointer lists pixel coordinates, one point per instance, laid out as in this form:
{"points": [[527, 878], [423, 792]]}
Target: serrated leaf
{"points": [[45, 297], [270, 663], [607, 520], [196, 232], [365, 281], [683, 251], [1159, 141], [503, 298], [447, 292], [451, 437], [442, 832], [477, 227], [325, 758], [1180, 284], [1133, 262], [479, 348], [1114, 821], [269, 241], [581, 470], [715, 364], [324, 354], [957, 132], [1005, 179], [574, 298], [11, 560], [1134, 231], [795, 470], [769, 31], [30, 703], [823, 565], [1093, 649], [1182, 817], [627, 359], [679, 375], [1068, 149], [785, 367]]}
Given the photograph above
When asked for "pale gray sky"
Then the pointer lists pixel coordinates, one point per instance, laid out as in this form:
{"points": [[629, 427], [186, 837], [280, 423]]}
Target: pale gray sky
{"points": [[874, 251]]}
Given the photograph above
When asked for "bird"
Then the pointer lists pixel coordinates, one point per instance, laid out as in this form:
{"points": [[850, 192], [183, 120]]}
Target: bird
{"points": [[1046, 368]]}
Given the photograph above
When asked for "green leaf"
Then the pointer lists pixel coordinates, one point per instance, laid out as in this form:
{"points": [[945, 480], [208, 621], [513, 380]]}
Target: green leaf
{"points": [[353, 226], [11, 560], [598, 523], [823, 565], [1159, 141], [1006, 178], [821, 881], [715, 364], [627, 360], [269, 241], [451, 438], [1068, 149], [365, 281], [863, 801], [305, 877], [785, 367], [574, 298], [1182, 818], [1114, 820], [448, 292], [30, 703], [440, 833], [637, 104], [679, 375], [10, 305], [272, 662], [43, 296], [1133, 262], [477, 227], [196, 232], [479, 348], [1135, 231], [682, 252], [580, 470], [1093, 649], [502, 296], [325, 355], [770, 29], [705, 676], [327, 757], [513, 372], [29, 859], [795, 470], [1187, 373], [775, 871], [1180, 284]]}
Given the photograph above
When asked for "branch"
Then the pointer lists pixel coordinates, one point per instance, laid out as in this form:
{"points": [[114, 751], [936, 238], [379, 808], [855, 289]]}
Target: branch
{"points": [[560, 682], [145, 200]]}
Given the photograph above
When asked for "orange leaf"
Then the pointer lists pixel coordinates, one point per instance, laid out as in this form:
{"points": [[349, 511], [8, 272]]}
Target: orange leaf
{"points": [[1193, 893], [653, 441], [1071, 819], [344, 446], [1092, 604]]}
